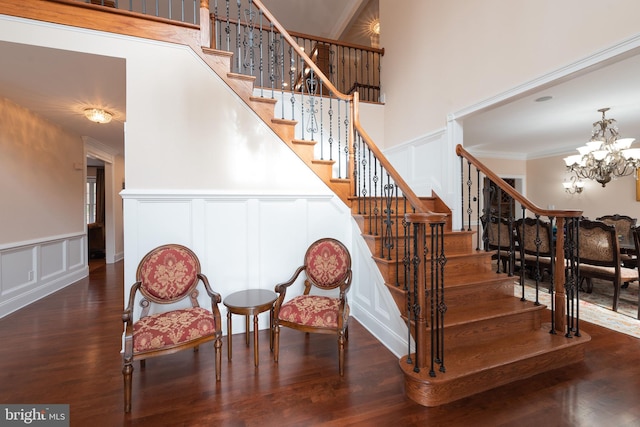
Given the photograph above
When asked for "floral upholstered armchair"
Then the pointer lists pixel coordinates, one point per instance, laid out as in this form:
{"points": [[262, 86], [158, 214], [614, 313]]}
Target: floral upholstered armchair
{"points": [[166, 275], [327, 266]]}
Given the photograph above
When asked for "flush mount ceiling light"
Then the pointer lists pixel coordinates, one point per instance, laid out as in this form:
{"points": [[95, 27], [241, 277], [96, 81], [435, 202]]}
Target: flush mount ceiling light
{"points": [[98, 115], [605, 156]]}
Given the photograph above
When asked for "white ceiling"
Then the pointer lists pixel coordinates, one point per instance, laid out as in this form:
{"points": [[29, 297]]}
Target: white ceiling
{"points": [[58, 85], [523, 128]]}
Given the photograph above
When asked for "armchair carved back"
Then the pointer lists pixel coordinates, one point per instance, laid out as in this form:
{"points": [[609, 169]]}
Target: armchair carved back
{"points": [[534, 236], [622, 223], [598, 244], [328, 265], [168, 274]]}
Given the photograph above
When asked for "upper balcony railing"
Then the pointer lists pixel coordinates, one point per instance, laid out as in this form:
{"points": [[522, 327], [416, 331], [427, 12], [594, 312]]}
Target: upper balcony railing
{"points": [[240, 27], [187, 11]]}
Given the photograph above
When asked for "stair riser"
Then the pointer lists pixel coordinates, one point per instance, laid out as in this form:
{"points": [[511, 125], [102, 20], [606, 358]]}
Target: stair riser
{"points": [[465, 296], [485, 331], [453, 244], [455, 269]]}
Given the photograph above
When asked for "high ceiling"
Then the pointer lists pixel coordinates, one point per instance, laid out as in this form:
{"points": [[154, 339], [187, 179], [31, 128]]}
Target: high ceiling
{"points": [[58, 84], [525, 128]]}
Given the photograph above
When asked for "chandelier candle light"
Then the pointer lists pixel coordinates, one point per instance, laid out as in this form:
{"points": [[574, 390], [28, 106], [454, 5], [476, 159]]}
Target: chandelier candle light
{"points": [[605, 156]]}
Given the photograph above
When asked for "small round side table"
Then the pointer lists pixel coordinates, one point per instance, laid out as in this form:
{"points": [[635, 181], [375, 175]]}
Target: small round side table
{"points": [[250, 302]]}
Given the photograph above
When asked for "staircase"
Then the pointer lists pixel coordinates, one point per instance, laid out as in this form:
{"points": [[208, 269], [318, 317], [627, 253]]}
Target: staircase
{"points": [[491, 337]]}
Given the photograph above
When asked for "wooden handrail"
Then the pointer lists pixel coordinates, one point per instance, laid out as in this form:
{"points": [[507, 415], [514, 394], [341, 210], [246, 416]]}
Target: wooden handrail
{"points": [[413, 199], [460, 151], [301, 53]]}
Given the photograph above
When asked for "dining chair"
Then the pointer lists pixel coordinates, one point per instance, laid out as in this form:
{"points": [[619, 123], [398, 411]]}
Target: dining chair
{"points": [[499, 237], [599, 257], [534, 237], [635, 233], [623, 225]]}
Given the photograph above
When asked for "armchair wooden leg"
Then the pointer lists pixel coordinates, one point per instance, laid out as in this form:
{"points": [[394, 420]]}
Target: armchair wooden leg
{"points": [[127, 372], [341, 353], [276, 342], [218, 362]]}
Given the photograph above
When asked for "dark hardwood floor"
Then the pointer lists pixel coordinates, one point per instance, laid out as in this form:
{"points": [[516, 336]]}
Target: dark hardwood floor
{"points": [[66, 349]]}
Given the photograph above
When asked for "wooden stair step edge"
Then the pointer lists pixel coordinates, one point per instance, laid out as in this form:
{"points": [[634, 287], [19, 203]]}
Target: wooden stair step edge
{"points": [[218, 60], [475, 326], [492, 364], [485, 321], [457, 268], [454, 244], [485, 286]]}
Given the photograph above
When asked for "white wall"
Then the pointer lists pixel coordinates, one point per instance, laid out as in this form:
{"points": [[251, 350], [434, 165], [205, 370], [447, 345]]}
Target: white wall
{"points": [[43, 243], [441, 57], [39, 181]]}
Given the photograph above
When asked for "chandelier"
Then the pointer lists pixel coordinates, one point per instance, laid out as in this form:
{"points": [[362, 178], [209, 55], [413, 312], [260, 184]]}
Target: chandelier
{"points": [[605, 156]]}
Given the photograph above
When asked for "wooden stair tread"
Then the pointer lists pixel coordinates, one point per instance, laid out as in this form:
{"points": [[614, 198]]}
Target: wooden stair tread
{"points": [[503, 351], [212, 51]]}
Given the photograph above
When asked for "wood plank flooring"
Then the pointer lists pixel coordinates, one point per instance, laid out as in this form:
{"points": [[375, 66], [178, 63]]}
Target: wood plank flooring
{"points": [[65, 348]]}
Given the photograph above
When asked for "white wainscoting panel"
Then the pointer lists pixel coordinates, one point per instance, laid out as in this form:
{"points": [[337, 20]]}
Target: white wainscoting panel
{"points": [[32, 270]]}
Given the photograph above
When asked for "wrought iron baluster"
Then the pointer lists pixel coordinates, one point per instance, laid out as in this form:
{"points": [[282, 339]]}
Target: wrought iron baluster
{"points": [[321, 84], [552, 251], [261, 65], [407, 239], [238, 40], [312, 121], [416, 306], [469, 184], [357, 172], [410, 291], [302, 86], [441, 306], [292, 72], [330, 114], [397, 232], [344, 158], [388, 221]]}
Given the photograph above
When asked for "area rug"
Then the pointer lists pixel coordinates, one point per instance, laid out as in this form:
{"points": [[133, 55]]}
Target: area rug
{"points": [[596, 306]]}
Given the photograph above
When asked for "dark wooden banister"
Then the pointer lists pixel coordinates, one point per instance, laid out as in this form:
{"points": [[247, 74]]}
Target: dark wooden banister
{"points": [[504, 186], [560, 215], [413, 199]]}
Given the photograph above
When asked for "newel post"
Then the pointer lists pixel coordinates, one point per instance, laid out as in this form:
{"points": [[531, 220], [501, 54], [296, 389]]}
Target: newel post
{"points": [[205, 24]]}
